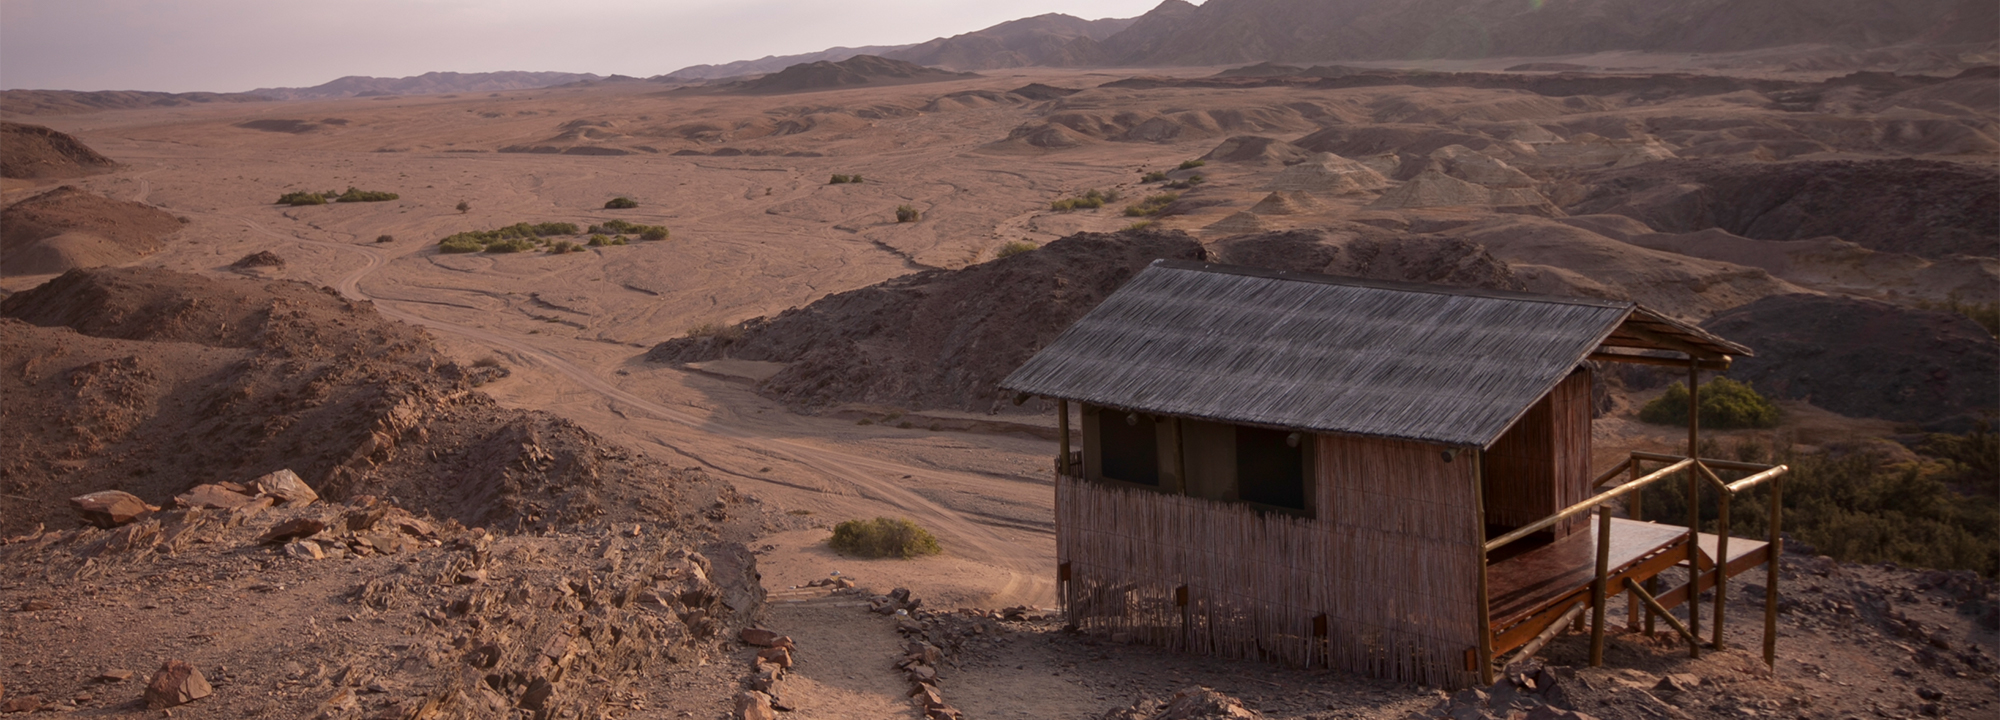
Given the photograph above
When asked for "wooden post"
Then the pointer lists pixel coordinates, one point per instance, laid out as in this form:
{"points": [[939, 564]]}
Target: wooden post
{"points": [[1777, 551], [1062, 437], [1632, 605], [1597, 590], [1694, 509], [1721, 564], [1479, 543]]}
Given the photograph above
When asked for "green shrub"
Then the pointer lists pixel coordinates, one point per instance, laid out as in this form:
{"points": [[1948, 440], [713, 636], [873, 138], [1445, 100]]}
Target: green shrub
{"points": [[1141, 225], [1090, 200], [510, 246], [1725, 404], [1860, 508], [301, 198], [456, 244], [1013, 248], [1192, 164], [905, 213], [653, 233], [1154, 176], [385, 238], [561, 247], [1152, 205], [841, 179], [621, 203], [620, 227], [357, 195], [464, 206], [602, 241], [1191, 181], [883, 537]]}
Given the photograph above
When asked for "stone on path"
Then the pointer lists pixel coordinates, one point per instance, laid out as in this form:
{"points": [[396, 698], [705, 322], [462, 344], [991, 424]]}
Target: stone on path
{"points": [[177, 683], [109, 508]]}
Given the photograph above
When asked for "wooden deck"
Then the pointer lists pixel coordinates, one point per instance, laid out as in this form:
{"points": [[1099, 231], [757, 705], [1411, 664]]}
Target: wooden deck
{"points": [[1530, 590]]}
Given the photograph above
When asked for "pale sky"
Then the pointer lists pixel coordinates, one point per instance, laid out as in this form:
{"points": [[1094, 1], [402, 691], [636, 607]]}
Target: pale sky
{"points": [[237, 45]]}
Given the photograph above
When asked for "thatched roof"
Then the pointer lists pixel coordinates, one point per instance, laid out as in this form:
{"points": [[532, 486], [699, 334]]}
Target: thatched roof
{"points": [[1334, 355]]}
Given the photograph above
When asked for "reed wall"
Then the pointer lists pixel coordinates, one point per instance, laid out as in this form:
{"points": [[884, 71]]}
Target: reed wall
{"points": [[1390, 561], [1542, 464]]}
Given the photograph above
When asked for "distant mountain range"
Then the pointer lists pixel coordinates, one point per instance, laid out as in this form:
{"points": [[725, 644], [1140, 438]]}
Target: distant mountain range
{"points": [[426, 84]]}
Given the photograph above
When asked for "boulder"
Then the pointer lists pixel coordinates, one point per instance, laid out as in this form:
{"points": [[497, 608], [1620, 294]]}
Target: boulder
{"points": [[761, 637], [110, 508], [286, 486], [212, 497], [753, 705], [177, 683], [778, 656], [292, 529]]}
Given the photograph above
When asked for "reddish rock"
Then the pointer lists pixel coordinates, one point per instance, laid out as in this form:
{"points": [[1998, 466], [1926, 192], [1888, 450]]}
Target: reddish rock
{"points": [[36, 604], [778, 656], [21, 704], [177, 683], [114, 676], [753, 705], [764, 638], [110, 508], [212, 496], [294, 528], [286, 486]]}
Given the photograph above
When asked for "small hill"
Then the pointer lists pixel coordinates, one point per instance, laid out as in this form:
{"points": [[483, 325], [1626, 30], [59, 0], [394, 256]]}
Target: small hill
{"points": [[430, 83], [939, 338], [1328, 173], [72, 102], [857, 71], [36, 152], [1864, 358], [769, 64], [68, 228], [1257, 150]]}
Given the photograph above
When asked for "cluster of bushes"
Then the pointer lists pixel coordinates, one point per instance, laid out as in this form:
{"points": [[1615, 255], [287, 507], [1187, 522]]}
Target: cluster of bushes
{"points": [[1939, 511], [1191, 181], [599, 240], [620, 203], [883, 537], [1152, 205], [1090, 200], [519, 237], [353, 194], [1192, 164], [1725, 404], [905, 213], [1014, 248], [620, 227], [1154, 176], [844, 179]]}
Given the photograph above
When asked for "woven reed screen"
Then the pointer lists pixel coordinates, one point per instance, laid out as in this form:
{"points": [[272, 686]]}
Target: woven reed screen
{"points": [[1390, 561]]}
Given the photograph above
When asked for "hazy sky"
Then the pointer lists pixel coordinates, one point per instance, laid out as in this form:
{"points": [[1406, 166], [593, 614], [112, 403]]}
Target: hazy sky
{"points": [[237, 45]]}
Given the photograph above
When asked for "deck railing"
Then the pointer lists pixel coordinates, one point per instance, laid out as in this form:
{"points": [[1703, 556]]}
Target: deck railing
{"points": [[1697, 470]]}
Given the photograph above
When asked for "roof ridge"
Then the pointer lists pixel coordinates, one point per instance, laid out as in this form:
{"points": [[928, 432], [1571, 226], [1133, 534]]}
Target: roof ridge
{"points": [[1324, 279]]}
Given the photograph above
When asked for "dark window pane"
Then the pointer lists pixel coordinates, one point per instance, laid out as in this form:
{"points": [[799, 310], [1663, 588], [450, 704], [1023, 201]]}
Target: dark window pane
{"points": [[1131, 452], [1268, 470]]}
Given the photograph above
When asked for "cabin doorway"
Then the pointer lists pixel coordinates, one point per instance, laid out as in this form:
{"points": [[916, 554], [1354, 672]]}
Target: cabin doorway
{"points": [[1541, 465]]}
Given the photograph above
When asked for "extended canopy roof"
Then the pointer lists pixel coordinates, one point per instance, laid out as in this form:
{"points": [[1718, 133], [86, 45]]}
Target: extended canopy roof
{"points": [[1337, 355]]}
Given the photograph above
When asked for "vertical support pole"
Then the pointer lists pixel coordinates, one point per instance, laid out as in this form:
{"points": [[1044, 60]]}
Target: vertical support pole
{"points": [[1633, 607], [1777, 551], [1479, 541], [1694, 509], [1597, 590], [1721, 564], [1062, 437]]}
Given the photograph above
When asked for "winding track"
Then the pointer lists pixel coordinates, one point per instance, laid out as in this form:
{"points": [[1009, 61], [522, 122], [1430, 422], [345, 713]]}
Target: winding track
{"points": [[974, 539]]}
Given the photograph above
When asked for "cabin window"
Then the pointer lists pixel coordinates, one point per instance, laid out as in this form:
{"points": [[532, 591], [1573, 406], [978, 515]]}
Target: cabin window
{"points": [[1270, 467], [1130, 447]]}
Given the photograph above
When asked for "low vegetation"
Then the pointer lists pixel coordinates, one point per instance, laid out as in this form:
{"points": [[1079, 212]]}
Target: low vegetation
{"points": [[1154, 176], [385, 238], [1940, 511], [598, 240], [905, 214], [296, 199], [354, 194], [1190, 181], [1014, 248], [1141, 225], [1089, 200], [620, 203], [621, 228], [1192, 164], [464, 206], [883, 537], [1152, 205], [1725, 404], [844, 179], [519, 237]]}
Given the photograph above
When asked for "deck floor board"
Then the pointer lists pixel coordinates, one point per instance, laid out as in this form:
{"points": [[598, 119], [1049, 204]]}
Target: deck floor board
{"points": [[1527, 583]]}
